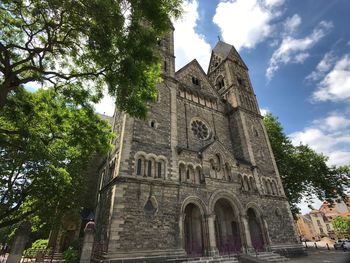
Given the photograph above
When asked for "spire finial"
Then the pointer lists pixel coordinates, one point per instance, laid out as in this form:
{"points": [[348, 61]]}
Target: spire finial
{"points": [[219, 38]]}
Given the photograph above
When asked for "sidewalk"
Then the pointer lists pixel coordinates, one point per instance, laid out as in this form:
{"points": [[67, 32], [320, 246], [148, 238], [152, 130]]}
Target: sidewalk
{"points": [[323, 256]]}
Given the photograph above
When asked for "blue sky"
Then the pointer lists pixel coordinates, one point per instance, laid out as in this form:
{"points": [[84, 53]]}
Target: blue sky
{"points": [[298, 55]]}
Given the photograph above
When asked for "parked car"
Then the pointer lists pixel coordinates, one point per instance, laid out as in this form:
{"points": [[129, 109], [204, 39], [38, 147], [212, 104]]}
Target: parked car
{"points": [[342, 244]]}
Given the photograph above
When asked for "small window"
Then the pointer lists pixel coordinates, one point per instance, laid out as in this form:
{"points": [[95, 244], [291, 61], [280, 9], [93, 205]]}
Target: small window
{"points": [[165, 66], [240, 81], [139, 165], [153, 124], [195, 81], [220, 82], [188, 174], [159, 170], [149, 168]]}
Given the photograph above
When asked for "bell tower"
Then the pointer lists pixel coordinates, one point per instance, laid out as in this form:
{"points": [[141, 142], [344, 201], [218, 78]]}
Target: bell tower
{"points": [[229, 74], [166, 45]]}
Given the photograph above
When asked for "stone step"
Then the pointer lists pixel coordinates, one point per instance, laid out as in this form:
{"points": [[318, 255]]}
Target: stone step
{"points": [[221, 259], [270, 257]]}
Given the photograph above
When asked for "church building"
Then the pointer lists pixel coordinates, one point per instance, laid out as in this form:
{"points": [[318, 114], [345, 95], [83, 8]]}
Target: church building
{"points": [[198, 176]]}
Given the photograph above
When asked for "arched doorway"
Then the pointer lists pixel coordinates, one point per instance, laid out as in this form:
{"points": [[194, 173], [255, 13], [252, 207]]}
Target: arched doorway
{"points": [[255, 230], [193, 231], [228, 237]]}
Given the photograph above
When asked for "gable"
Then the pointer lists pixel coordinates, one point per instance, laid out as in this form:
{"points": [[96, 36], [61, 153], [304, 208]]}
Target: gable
{"points": [[193, 77], [216, 147]]}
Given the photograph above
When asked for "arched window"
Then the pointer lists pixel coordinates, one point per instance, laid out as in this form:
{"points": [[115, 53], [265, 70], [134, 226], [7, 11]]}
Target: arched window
{"points": [[267, 190], [182, 172], [272, 188], [240, 179], [275, 187], [190, 174], [199, 176], [139, 167], [218, 162], [195, 81], [246, 183], [228, 172], [149, 168], [240, 81], [220, 82], [252, 184], [160, 169]]}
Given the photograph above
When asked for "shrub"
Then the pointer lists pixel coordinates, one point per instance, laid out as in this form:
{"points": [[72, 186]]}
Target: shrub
{"points": [[71, 255], [40, 244]]}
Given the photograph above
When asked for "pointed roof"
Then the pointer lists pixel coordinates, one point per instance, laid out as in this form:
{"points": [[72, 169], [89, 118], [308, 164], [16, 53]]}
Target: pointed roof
{"points": [[224, 50]]}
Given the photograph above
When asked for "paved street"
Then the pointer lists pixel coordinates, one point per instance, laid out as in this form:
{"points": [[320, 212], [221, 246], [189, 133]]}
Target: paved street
{"points": [[324, 256]]}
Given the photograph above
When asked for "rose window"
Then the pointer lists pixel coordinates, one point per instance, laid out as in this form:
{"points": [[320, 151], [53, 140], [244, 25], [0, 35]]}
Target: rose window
{"points": [[200, 130]]}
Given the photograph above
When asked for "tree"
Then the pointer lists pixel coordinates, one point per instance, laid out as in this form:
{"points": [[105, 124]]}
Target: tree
{"points": [[85, 43], [341, 225], [46, 141], [304, 172]]}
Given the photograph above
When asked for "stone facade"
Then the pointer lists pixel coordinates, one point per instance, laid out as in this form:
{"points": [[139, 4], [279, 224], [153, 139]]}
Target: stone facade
{"points": [[198, 177]]}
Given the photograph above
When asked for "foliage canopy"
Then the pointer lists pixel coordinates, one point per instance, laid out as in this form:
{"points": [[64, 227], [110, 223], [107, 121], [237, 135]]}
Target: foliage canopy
{"points": [[304, 172], [46, 141], [86, 43]]}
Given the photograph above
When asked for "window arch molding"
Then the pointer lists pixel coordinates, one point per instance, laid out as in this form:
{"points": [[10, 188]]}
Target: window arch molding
{"points": [[150, 165], [140, 163]]}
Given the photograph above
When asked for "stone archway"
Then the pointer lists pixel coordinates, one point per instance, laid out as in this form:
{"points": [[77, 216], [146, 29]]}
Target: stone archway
{"points": [[227, 230], [193, 230], [256, 230]]}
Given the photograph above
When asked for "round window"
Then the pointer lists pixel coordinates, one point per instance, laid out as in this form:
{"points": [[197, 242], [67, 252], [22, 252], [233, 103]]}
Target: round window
{"points": [[200, 130]]}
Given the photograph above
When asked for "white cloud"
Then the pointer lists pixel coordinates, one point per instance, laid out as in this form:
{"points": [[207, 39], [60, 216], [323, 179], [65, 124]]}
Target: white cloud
{"points": [[333, 122], [330, 135], [292, 23], [335, 86], [300, 58], [245, 23], [106, 106], [272, 3], [293, 50], [322, 67], [264, 111], [304, 205], [188, 43]]}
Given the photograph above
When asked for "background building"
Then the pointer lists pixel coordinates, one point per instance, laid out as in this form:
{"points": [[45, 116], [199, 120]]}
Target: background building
{"points": [[318, 223]]}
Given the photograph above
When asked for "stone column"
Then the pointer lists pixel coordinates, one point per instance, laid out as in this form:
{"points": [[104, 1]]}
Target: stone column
{"points": [[19, 242], [248, 239], [213, 250], [89, 233], [266, 232], [181, 230]]}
